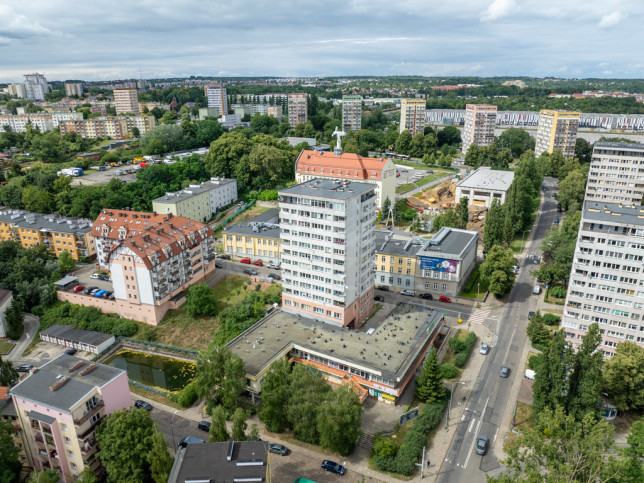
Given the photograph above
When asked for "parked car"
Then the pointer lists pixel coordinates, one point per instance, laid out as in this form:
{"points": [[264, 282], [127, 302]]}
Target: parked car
{"points": [[274, 276], [429, 171], [25, 368], [258, 263], [78, 288], [485, 348], [279, 449], [505, 371], [426, 296], [70, 352], [143, 405], [218, 265], [333, 467], [481, 444], [94, 291], [250, 271], [410, 293], [379, 298], [224, 257], [100, 293], [104, 278], [274, 266], [108, 294], [94, 276], [384, 288], [530, 315], [204, 425], [89, 290], [245, 260], [445, 298]]}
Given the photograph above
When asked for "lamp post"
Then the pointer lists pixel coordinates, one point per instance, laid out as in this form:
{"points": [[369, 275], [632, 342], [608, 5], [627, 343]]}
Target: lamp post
{"points": [[450, 402], [478, 290], [527, 231], [174, 444]]}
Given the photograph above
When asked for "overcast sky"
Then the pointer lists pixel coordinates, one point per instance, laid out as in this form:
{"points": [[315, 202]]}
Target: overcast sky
{"points": [[108, 39]]}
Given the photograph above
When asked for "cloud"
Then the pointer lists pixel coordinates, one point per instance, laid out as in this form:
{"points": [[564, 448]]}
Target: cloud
{"points": [[17, 26], [611, 19], [498, 9]]}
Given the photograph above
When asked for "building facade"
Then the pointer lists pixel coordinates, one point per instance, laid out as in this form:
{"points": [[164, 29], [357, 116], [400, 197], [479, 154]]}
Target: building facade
{"points": [[18, 436], [59, 406], [396, 260], [36, 87], [216, 97], [485, 185], [258, 239], [351, 113], [113, 127], [126, 99], [73, 89], [198, 201], [480, 120], [17, 90], [297, 109], [557, 131], [206, 112], [616, 173], [412, 115], [380, 172], [46, 121], [328, 245]]}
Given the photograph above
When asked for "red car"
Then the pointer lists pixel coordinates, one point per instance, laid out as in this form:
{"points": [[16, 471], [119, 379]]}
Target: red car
{"points": [[78, 288], [444, 298], [258, 263], [245, 260]]}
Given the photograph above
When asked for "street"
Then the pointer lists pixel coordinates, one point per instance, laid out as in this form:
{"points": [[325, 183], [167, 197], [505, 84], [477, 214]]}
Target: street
{"points": [[488, 399]]}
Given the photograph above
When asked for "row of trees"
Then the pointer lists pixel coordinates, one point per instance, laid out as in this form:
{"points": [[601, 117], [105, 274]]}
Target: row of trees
{"points": [[49, 147]]}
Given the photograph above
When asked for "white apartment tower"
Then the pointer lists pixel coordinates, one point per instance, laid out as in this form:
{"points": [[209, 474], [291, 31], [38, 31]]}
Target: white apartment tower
{"points": [[36, 86], [480, 120], [351, 113], [216, 96], [297, 109], [412, 115], [616, 173], [126, 99], [328, 246]]}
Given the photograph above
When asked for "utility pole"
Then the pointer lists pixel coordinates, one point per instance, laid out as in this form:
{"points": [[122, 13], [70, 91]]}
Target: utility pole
{"points": [[421, 464]]}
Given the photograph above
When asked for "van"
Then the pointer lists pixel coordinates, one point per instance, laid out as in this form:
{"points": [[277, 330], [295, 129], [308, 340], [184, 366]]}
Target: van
{"points": [[536, 290], [529, 374]]}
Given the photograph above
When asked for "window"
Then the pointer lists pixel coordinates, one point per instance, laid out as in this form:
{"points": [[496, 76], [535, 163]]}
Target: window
{"points": [[407, 282], [435, 286], [426, 284], [444, 286]]}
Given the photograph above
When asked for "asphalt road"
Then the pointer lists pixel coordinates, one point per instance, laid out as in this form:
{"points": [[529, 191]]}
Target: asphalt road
{"points": [[31, 324], [487, 399]]}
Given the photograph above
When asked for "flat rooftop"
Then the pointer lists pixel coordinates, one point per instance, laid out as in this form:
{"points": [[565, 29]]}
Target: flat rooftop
{"points": [[388, 244], [389, 350], [83, 336], [193, 190], [613, 212], [328, 188], [46, 223], [450, 242], [488, 179], [260, 230], [625, 146]]}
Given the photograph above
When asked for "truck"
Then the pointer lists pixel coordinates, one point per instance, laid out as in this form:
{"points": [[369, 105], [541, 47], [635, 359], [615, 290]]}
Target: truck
{"points": [[71, 172]]}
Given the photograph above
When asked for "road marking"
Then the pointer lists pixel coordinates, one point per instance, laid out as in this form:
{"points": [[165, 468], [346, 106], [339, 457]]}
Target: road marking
{"points": [[471, 425], [478, 316]]}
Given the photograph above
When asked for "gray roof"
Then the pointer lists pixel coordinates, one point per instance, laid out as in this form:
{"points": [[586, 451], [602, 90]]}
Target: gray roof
{"points": [[40, 417], [88, 337], [488, 179], [449, 242], [254, 229], [613, 212], [193, 190], [270, 216], [48, 223], [35, 386], [66, 280], [209, 462], [610, 144], [328, 188], [388, 244]]}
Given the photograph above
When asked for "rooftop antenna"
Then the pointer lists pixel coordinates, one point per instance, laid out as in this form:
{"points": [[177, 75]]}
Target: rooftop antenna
{"points": [[338, 149]]}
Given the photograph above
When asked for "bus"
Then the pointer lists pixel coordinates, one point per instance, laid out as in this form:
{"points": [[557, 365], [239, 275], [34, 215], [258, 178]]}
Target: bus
{"points": [[403, 157]]}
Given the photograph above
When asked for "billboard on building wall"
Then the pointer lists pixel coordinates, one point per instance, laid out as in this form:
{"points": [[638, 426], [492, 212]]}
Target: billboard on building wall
{"points": [[438, 264]]}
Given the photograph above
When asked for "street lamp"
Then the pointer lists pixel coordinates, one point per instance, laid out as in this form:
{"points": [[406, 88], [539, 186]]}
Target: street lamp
{"points": [[478, 290], [450, 402], [174, 444], [527, 231]]}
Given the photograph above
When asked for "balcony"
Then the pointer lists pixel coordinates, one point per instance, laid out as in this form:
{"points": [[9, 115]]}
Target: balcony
{"points": [[90, 432], [88, 414]]}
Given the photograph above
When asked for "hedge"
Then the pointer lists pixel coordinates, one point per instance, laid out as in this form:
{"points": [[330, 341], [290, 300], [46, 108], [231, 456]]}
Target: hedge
{"points": [[466, 347], [88, 318], [187, 396]]}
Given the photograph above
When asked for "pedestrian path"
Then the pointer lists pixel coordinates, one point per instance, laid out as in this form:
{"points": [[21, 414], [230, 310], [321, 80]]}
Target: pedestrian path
{"points": [[478, 316]]}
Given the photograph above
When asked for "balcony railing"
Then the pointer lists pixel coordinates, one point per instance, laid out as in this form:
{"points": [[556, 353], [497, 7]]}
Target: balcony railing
{"points": [[89, 414]]}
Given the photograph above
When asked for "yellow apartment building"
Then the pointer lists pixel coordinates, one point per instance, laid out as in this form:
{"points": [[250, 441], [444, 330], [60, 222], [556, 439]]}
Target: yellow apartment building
{"points": [[258, 239], [557, 130], [396, 261]]}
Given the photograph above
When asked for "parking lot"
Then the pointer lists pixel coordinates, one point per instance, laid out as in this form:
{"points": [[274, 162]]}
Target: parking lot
{"points": [[409, 175], [84, 278], [92, 177]]}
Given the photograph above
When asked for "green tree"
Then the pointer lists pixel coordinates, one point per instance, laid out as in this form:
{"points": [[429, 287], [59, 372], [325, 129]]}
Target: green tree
{"points": [[36, 199], [305, 130], [10, 465], [448, 218], [218, 431], [43, 476], [583, 151], [517, 140], [87, 476], [463, 212], [338, 420], [66, 262], [430, 144], [200, 300], [136, 132], [634, 454], [14, 318], [220, 376], [275, 396], [417, 146], [226, 152], [8, 373], [159, 458], [239, 424], [551, 380], [624, 376], [497, 270], [386, 205], [571, 190], [403, 142], [504, 159], [585, 376], [494, 233], [450, 136], [308, 391], [537, 331], [429, 384], [474, 156]]}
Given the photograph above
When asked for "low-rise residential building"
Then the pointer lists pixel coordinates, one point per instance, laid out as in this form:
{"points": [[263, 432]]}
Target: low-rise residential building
{"points": [[59, 406], [446, 262], [396, 260], [113, 127], [485, 185], [198, 201], [258, 239], [84, 340], [43, 121]]}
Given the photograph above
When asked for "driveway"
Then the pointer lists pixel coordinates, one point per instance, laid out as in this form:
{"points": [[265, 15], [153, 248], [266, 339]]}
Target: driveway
{"points": [[31, 327]]}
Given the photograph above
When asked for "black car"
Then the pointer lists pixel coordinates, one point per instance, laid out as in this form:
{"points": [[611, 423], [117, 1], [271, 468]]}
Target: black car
{"points": [[274, 276], [384, 288], [204, 425], [218, 265], [89, 290], [379, 298], [425, 296], [105, 278], [250, 271], [70, 352], [25, 368], [224, 257], [279, 449], [333, 467], [143, 405]]}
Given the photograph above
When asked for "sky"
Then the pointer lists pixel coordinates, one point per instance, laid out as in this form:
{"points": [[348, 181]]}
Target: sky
{"points": [[97, 40]]}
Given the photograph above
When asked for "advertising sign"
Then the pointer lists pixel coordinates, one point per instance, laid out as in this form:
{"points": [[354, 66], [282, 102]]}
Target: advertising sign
{"points": [[438, 264]]}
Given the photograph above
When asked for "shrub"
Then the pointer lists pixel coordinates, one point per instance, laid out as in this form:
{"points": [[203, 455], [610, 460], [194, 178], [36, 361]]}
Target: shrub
{"points": [[550, 319], [457, 345], [384, 447], [541, 347], [461, 359], [447, 371], [187, 396], [558, 291], [534, 362], [268, 195]]}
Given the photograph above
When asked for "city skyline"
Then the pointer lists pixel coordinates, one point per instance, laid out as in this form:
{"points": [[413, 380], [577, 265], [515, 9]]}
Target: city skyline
{"points": [[249, 38]]}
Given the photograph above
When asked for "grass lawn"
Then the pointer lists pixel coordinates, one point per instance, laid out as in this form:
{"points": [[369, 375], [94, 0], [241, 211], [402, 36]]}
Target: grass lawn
{"points": [[245, 216], [404, 188], [155, 397], [471, 288], [522, 421], [5, 347]]}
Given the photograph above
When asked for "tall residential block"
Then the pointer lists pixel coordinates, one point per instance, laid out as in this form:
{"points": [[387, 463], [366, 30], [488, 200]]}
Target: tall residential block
{"points": [[297, 109], [73, 89], [17, 90], [616, 173], [557, 131], [351, 113], [216, 97], [412, 115], [328, 247], [36, 86], [126, 99], [480, 120], [607, 281], [59, 406]]}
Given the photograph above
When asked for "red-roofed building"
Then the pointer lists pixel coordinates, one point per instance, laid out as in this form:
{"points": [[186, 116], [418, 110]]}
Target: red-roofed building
{"points": [[325, 164]]}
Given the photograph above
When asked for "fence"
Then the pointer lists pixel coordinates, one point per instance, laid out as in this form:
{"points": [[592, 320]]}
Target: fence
{"points": [[155, 390], [159, 347], [230, 218]]}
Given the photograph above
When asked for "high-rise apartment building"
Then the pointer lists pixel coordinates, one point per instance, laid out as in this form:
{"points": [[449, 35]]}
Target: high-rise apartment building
{"points": [[36, 86], [328, 246], [412, 115], [351, 113], [557, 131], [17, 90], [126, 99], [59, 406], [216, 96], [616, 173], [73, 89], [297, 109], [480, 120]]}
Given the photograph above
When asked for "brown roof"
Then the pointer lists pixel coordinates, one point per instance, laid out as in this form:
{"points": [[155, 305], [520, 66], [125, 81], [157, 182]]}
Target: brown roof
{"points": [[347, 165], [4, 393]]}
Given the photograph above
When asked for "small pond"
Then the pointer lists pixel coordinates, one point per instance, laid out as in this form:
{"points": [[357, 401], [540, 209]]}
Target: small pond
{"points": [[152, 370]]}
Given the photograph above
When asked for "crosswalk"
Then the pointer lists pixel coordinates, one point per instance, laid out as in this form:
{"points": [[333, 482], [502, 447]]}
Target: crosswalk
{"points": [[478, 316]]}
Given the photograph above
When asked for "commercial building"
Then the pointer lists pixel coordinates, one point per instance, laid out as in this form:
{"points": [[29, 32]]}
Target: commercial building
{"points": [[126, 99], [59, 406], [60, 234], [606, 278], [616, 173], [206, 112], [73, 89], [36, 87], [6, 298], [396, 260], [328, 245], [480, 120], [297, 109], [351, 113], [380, 172], [446, 262], [258, 239], [216, 97], [484, 185], [198, 201], [84, 340], [43, 121], [113, 127], [232, 461], [412, 115], [557, 131]]}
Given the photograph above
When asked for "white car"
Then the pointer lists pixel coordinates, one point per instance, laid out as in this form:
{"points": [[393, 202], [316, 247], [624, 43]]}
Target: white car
{"points": [[411, 293], [274, 266], [94, 276], [484, 348]]}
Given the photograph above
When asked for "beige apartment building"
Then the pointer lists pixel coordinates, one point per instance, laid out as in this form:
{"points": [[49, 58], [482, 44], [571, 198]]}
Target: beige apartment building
{"points": [[351, 113], [126, 99], [616, 173], [297, 109], [480, 120], [412, 115], [73, 89], [104, 127], [557, 131]]}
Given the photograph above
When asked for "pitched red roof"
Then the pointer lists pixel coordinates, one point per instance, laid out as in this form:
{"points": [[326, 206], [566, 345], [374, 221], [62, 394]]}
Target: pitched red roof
{"points": [[346, 166]]}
